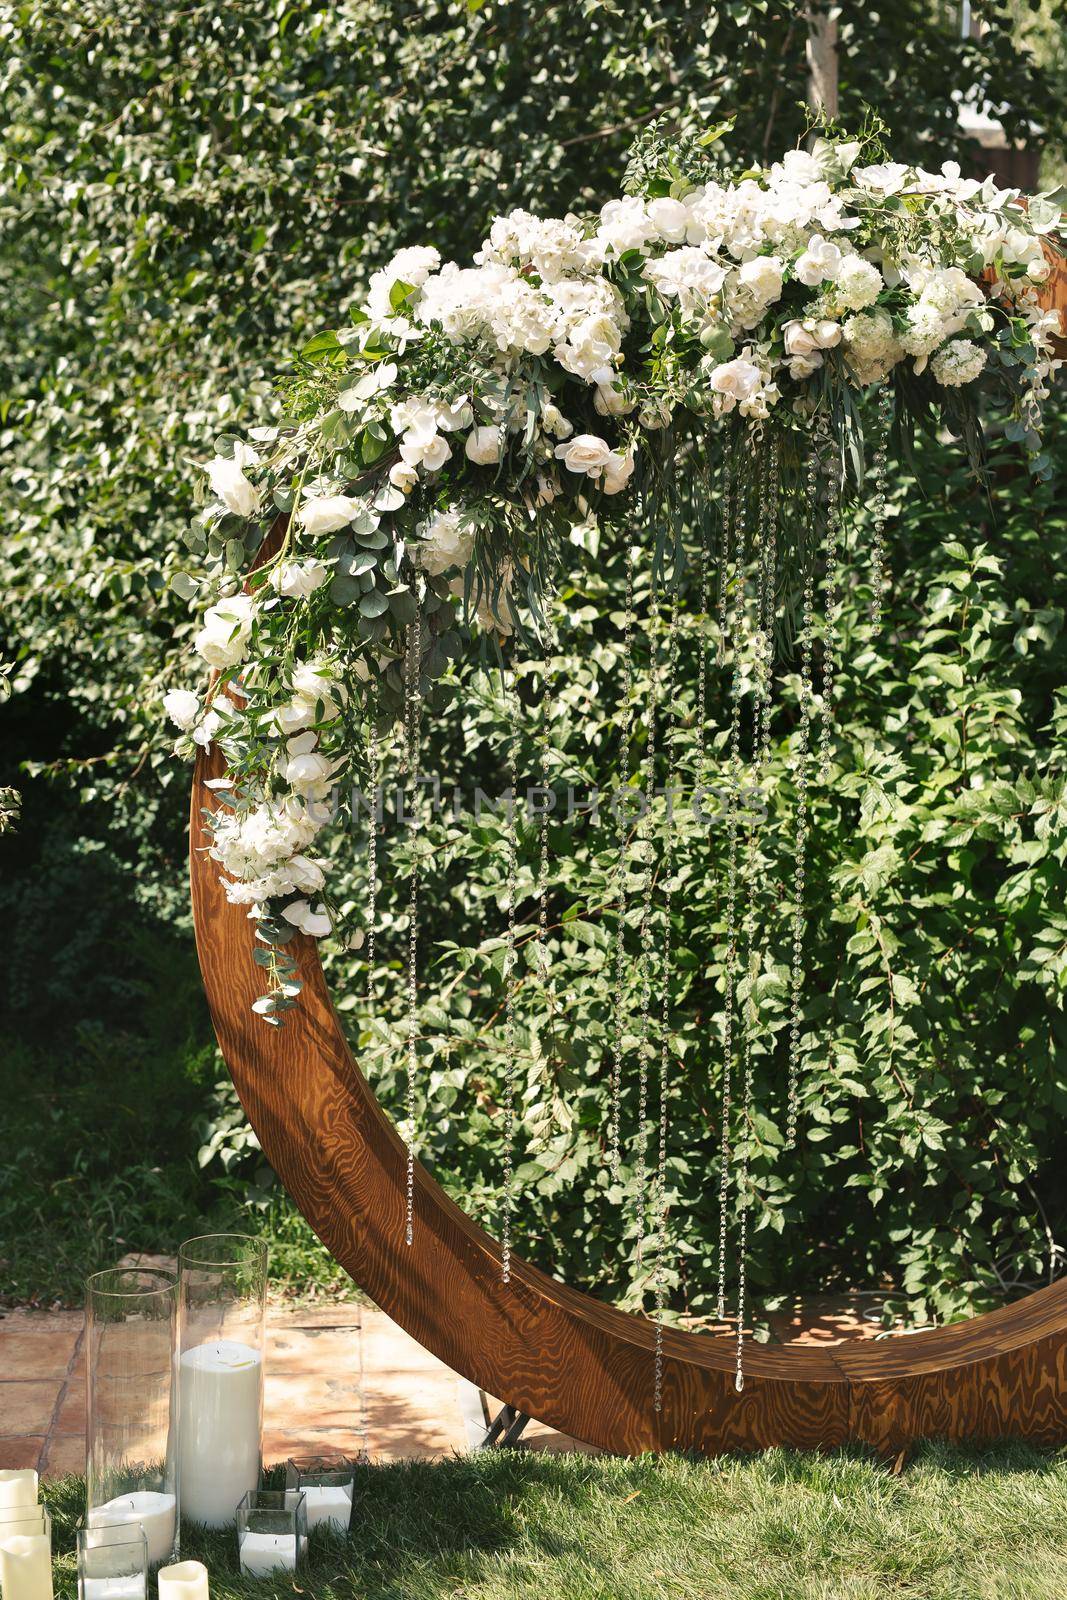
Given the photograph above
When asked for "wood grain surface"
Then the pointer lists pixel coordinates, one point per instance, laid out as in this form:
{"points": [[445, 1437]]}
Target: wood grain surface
{"points": [[565, 1358], [570, 1360]]}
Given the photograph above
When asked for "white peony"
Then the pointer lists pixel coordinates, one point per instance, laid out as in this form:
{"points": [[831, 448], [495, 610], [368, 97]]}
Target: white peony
{"points": [[762, 277], [182, 706], [297, 579], [223, 639], [328, 513], [670, 218], [232, 487]]}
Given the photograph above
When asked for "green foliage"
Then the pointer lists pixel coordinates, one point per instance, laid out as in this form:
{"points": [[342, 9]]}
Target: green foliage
{"points": [[184, 188], [931, 1153], [511, 1525]]}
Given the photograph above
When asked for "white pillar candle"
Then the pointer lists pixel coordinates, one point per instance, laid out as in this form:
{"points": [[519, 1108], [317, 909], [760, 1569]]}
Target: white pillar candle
{"points": [[26, 1567], [220, 1421], [328, 1506], [131, 1587], [22, 1519], [185, 1580], [152, 1509], [18, 1487], [267, 1552]]}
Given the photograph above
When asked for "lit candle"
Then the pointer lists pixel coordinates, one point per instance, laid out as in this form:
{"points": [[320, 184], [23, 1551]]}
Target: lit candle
{"points": [[329, 1506], [185, 1580], [220, 1421], [267, 1552], [26, 1566], [18, 1487], [131, 1587], [149, 1507]]}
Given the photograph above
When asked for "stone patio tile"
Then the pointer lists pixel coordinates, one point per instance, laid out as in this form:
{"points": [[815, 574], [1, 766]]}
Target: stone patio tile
{"points": [[418, 1417], [387, 1347], [828, 1320], [43, 1353], [24, 1451], [331, 1316], [329, 1402], [314, 1350], [279, 1444], [26, 1407], [70, 1418], [64, 1454]]}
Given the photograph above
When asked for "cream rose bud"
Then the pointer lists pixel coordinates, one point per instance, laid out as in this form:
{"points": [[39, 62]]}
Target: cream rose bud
{"points": [[306, 874], [1038, 271], [223, 639], [827, 333], [232, 487], [297, 579], [804, 366], [403, 476], [799, 338], [738, 378], [306, 767], [618, 469], [295, 714], [182, 707], [308, 919], [327, 513], [611, 402], [554, 422], [584, 453], [483, 446], [315, 681]]}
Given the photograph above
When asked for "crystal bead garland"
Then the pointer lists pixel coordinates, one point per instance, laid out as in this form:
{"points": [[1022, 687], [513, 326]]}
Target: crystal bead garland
{"points": [[734, 536], [512, 710], [645, 1044], [373, 828], [801, 763], [878, 583], [544, 741], [659, 1207], [621, 863], [412, 721], [833, 544], [767, 573]]}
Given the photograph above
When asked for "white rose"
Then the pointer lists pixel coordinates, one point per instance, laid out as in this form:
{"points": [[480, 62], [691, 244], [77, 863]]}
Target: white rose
{"points": [[584, 453], [232, 487], [446, 543], [315, 680], [618, 469], [297, 579], [309, 920], [803, 366], [306, 767], [483, 446], [827, 333], [403, 476], [670, 218], [295, 714], [611, 402], [820, 260], [207, 730], [326, 513], [799, 339], [183, 707], [223, 639], [737, 378]]}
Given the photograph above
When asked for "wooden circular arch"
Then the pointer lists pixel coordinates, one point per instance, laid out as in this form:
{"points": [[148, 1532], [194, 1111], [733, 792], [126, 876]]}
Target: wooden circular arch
{"points": [[561, 1356]]}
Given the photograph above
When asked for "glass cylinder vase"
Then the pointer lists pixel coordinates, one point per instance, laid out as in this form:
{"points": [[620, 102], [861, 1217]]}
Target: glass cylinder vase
{"points": [[131, 1454], [222, 1287]]}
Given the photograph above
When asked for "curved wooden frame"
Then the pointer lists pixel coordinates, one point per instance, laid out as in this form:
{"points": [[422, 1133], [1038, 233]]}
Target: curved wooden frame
{"points": [[570, 1360]]}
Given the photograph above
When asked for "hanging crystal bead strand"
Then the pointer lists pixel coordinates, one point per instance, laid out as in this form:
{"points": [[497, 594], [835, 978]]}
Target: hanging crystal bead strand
{"points": [[660, 1188], [412, 719], [645, 1045], [373, 829], [878, 503], [621, 863], [801, 763], [733, 531], [510, 964], [544, 734], [767, 555], [831, 468]]}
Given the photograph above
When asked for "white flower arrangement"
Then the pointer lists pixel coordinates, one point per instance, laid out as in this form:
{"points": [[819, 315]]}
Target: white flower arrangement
{"points": [[435, 450]]}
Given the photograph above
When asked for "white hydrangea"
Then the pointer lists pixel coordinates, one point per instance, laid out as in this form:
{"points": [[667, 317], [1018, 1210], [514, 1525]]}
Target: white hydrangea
{"points": [[871, 344], [687, 275], [554, 247], [857, 284], [446, 542], [958, 362]]}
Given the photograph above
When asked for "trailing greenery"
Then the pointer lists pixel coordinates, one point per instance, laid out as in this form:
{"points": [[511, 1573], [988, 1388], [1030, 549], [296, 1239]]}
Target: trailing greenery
{"points": [[512, 1525]]}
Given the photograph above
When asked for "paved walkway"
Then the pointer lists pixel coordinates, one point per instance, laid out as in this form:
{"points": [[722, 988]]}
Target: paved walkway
{"points": [[319, 1361]]}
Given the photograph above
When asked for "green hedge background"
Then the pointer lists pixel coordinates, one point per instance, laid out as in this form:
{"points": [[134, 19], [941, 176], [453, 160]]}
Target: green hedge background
{"points": [[189, 191]]}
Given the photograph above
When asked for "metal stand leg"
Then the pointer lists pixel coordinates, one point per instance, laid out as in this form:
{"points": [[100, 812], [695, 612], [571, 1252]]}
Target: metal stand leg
{"points": [[505, 1430]]}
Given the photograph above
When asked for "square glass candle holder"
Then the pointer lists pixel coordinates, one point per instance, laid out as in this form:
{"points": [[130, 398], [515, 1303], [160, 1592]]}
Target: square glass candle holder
{"points": [[272, 1531], [328, 1485], [113, 1562]]}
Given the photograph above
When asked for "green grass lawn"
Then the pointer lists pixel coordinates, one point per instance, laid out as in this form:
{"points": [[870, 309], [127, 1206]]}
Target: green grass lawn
{"points": [[955, 1525]]}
